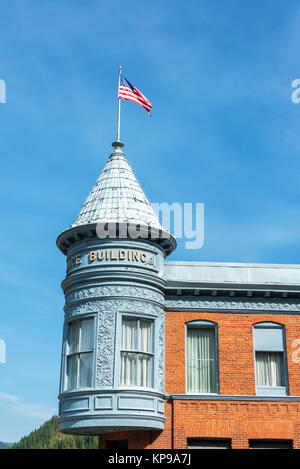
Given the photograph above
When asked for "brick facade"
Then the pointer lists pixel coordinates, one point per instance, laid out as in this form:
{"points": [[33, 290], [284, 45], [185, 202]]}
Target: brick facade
{"points": [[233, 418]]}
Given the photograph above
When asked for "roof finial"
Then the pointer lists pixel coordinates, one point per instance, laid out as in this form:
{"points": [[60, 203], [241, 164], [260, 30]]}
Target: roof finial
{"points": [[118, 145]]}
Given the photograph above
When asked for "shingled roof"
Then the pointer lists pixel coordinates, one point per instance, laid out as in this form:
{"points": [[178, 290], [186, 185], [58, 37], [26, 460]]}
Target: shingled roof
{"points": [[117, 197]]}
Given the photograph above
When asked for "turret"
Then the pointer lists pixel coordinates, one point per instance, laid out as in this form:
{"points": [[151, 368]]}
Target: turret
{"points": [[112, 368]]}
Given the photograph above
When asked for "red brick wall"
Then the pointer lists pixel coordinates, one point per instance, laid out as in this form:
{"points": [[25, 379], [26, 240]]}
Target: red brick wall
{"points": [[236, 420], [235, 344]]}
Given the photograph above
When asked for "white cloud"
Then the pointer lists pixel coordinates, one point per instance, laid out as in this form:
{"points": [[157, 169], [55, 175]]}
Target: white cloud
{"points": [[14, 275], [15, 405]]}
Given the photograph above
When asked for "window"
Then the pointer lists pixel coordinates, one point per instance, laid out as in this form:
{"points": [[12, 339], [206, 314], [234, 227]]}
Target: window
{"points": [[270, 444], [80, 354], [136, 352], [270, 360], [269, 369], [206, 443], [201, 357]]}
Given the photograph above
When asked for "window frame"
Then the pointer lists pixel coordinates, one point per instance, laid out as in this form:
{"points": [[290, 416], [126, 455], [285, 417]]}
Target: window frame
{"points": [[211, 443], [270, 443], [68, 323], [200, 324], [271, 390], [117, 375]]}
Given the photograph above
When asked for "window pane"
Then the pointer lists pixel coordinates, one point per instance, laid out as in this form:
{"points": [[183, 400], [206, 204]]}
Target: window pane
{"points": [[136, 367], [74, 337], [269, 369], [72, 372], [201, 360], [269, 339], [85, 370], [129, 334], [87, 335], [145, 370], [128, 369], [145, 336]]}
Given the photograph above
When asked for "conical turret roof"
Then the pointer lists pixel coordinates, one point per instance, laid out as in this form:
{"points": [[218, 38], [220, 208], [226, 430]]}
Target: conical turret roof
{"points": [[117, 197]]}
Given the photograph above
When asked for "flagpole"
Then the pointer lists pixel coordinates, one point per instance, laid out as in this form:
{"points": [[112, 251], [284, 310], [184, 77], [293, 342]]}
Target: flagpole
{"points": [[119, 108]]}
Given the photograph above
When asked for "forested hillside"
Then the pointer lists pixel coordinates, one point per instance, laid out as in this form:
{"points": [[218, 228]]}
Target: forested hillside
{"points": [[48, 437], [5, 445]]}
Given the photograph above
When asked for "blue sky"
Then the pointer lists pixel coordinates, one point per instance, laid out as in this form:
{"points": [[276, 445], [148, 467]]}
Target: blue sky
{"points": [[223, 131]]}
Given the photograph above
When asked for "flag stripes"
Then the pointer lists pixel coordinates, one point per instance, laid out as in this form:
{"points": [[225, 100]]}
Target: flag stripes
{"points": [[130, 93]]}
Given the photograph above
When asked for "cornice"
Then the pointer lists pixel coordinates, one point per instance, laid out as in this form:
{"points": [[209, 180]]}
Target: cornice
{"points": [[231, 305]]}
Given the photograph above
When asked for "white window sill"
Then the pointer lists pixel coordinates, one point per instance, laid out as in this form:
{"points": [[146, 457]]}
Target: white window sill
{"points": [[271, 391], [135, 388]]}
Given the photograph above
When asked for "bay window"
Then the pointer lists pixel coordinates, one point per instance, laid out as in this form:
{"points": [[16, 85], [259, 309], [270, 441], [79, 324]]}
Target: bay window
{"points": [[136, 352]]}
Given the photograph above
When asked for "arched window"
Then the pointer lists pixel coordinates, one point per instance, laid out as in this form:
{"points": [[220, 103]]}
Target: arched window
{"points": [[201, 357], [270, 359]]}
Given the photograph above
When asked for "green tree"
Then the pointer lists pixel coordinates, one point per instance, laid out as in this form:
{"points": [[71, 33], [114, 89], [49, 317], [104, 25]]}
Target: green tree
{"points": [[48, 436]]}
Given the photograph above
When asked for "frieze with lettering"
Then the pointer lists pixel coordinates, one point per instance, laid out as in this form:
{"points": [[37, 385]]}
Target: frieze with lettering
{"points": [[112, 256]]}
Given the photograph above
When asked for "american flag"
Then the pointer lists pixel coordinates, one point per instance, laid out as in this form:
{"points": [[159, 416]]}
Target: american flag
{"points": [[131, 93]]}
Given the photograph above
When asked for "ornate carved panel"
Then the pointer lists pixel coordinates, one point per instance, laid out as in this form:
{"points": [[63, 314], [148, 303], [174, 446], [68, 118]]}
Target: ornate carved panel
{"points": [[115, 291], [105, 349], [231, 305]]}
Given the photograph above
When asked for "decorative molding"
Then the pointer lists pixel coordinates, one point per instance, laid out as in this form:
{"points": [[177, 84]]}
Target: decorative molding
{"points": [[94, 424], [112, 306], [114, 291], [207, 304], [161, 355], [231, 397], [105, 349], [242, 407], [100, 392], [151, 261]]}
